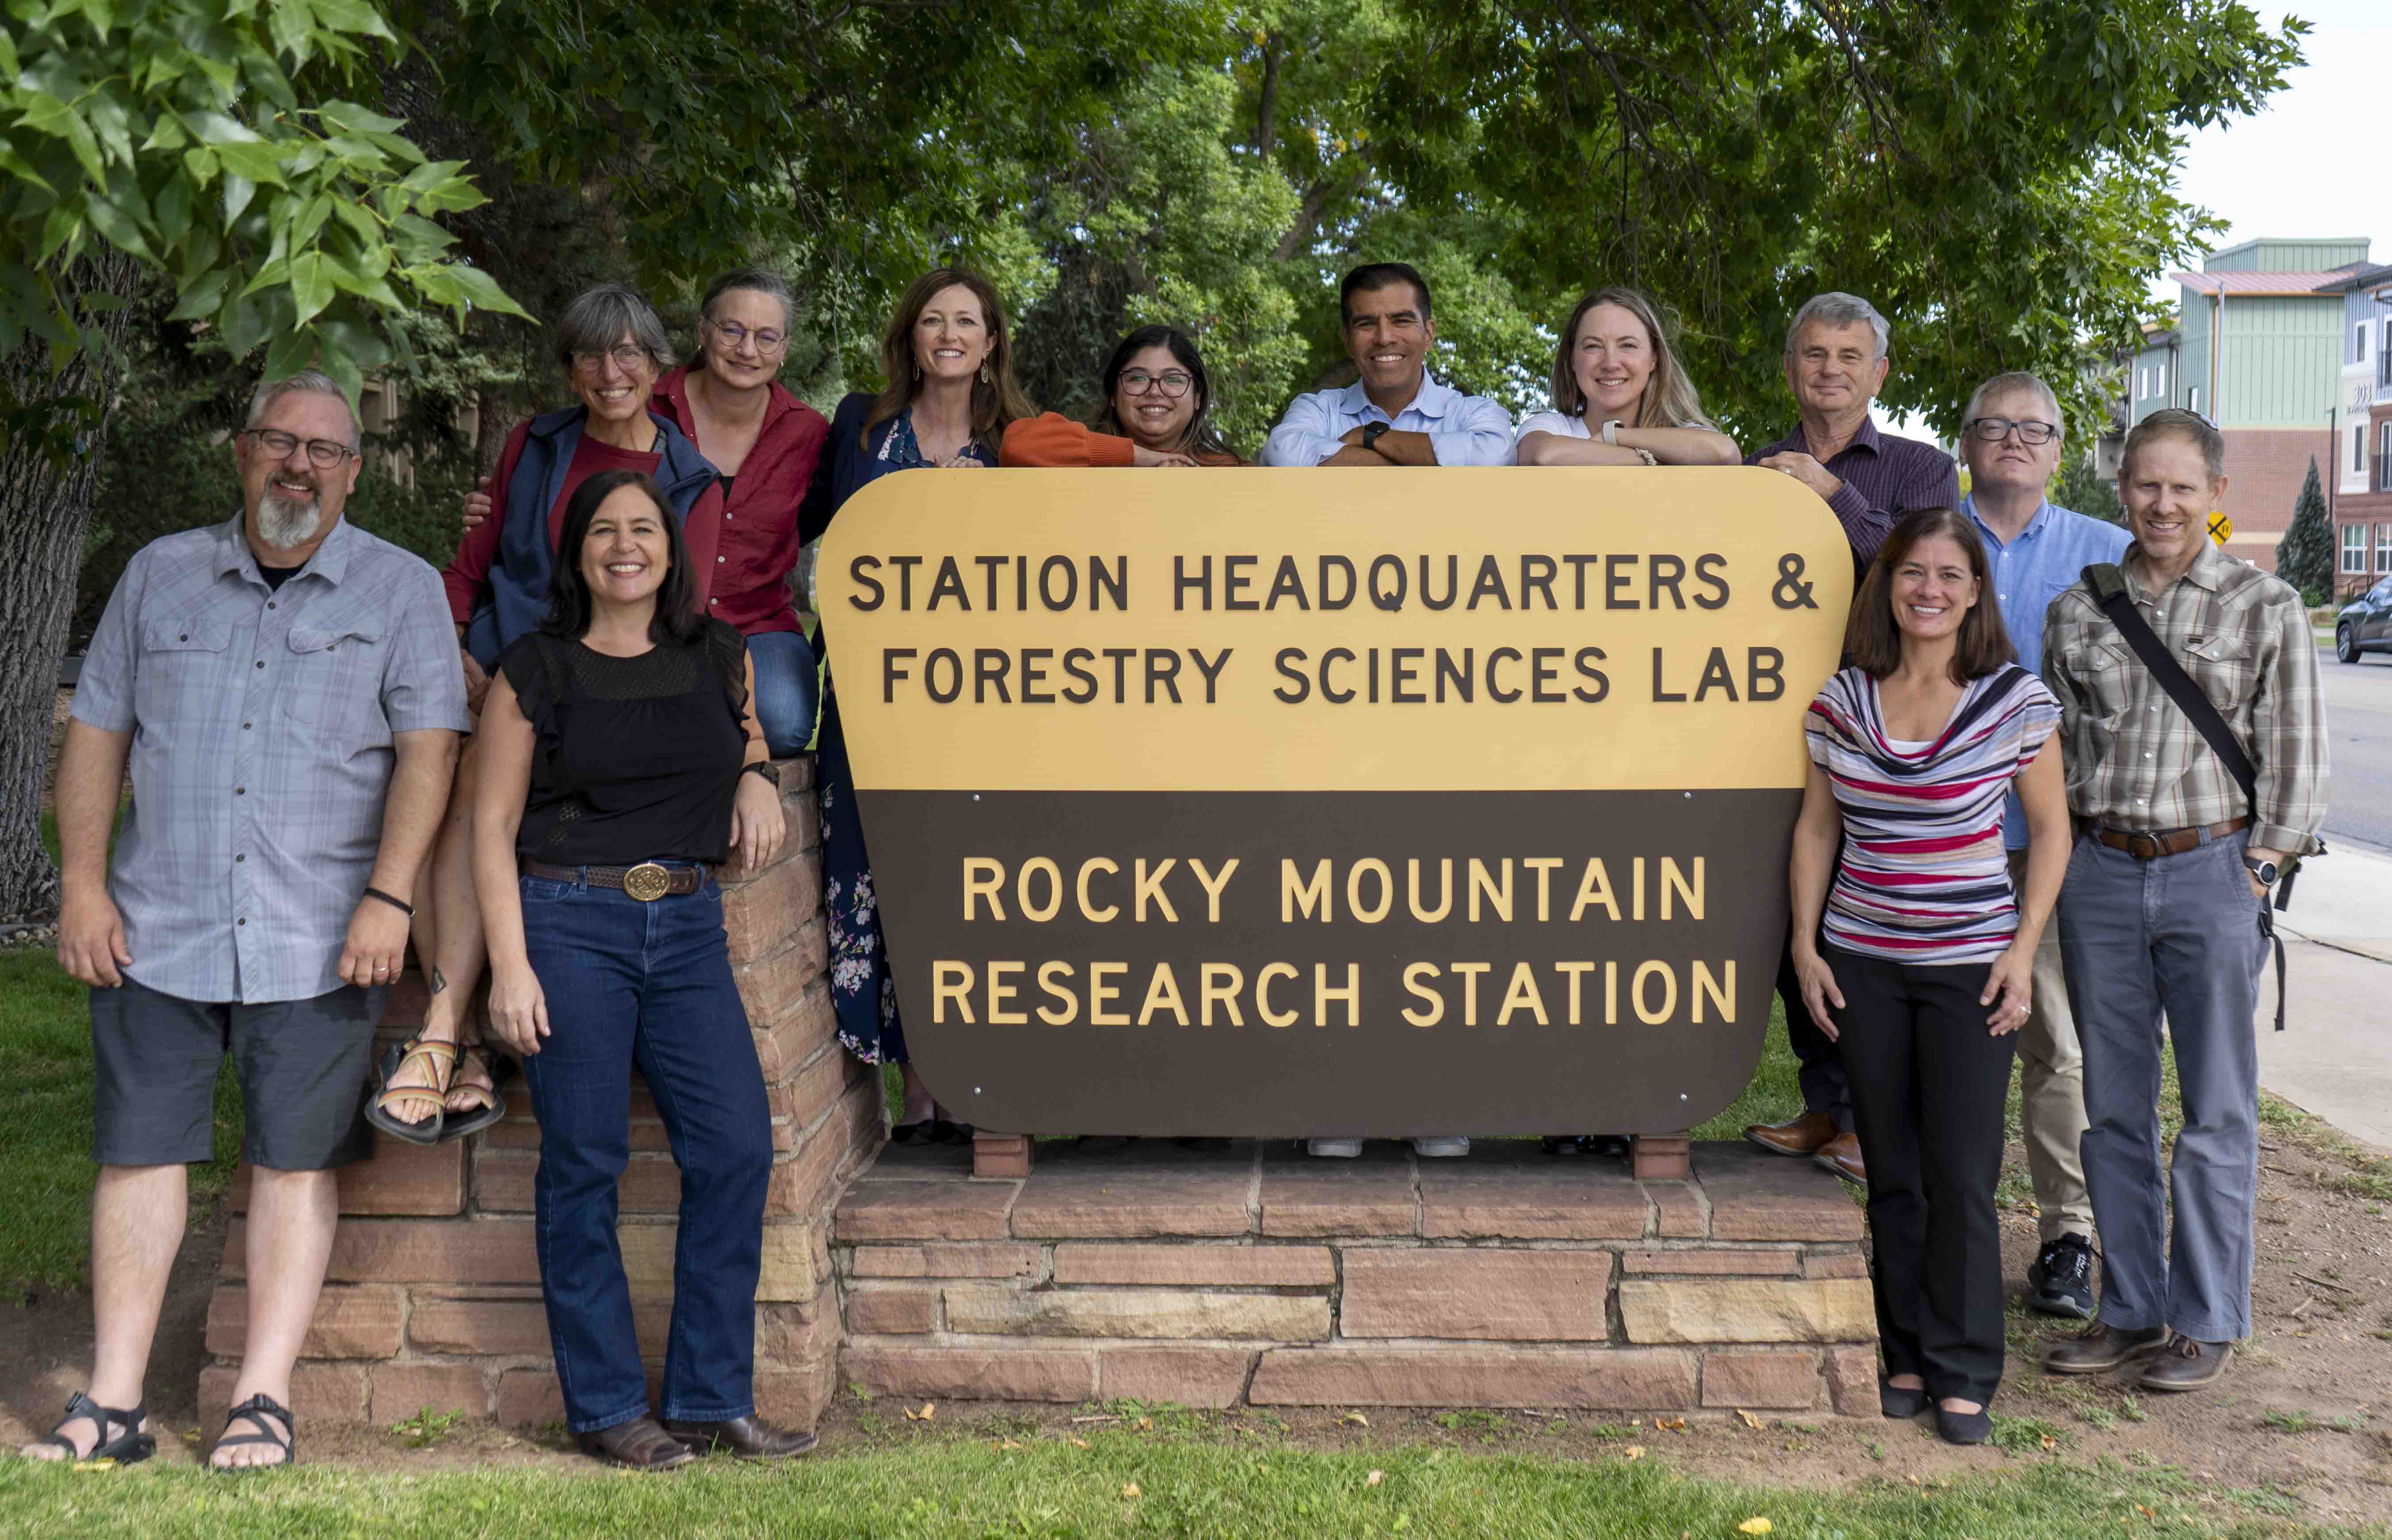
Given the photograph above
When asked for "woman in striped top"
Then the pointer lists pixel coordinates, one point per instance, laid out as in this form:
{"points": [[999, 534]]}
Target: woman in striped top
{"points": [[1927, 951]]}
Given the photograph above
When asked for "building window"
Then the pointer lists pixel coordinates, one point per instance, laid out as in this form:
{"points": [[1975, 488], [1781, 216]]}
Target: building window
{"points": [[2354, 548], [2358, 449], [2384, 548], [2384, 458], [2384, 357], [2359, 343], [2192, 398]]}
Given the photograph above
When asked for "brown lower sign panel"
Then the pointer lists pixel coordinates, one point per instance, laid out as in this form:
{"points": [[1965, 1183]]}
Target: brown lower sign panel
{"points": [[1269, 963]]}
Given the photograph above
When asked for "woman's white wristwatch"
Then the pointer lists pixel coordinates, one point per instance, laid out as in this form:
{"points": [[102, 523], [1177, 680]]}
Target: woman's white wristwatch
{"points": [[1611, 431]]}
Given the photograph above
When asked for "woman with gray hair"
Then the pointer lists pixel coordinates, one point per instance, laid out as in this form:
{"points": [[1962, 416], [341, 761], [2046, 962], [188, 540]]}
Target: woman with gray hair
{"points": [[612, 350]]}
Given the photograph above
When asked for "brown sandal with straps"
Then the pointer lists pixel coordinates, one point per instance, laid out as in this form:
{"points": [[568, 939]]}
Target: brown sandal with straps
{"points": [[443, 1059]]}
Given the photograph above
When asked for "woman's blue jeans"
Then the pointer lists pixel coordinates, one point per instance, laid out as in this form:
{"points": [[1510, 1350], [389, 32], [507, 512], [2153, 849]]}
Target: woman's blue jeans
{"points": [[649, 985], [788, 689]]}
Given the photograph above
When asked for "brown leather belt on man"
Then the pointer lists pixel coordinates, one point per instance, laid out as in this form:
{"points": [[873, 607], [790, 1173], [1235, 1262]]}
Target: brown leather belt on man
{"points": [[2146, 846]]}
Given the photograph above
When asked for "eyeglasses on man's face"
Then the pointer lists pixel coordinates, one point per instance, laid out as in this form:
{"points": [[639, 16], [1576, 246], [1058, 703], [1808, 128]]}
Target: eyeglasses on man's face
{"points": [[628, 357], [1171, 382], [322, 453], [1992, 430], [768, 342]]}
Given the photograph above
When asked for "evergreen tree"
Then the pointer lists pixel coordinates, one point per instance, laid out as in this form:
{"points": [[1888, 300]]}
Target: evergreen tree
{"points": [[2305, 557]]}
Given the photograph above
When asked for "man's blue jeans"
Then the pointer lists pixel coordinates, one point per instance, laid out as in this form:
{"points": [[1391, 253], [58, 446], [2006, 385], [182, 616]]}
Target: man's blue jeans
{"points": [[788, 689], [2180, 935], [649, 985]]}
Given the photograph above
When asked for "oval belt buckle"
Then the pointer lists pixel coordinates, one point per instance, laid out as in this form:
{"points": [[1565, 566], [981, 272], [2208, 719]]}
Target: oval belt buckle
{"points": [[647, 881]]}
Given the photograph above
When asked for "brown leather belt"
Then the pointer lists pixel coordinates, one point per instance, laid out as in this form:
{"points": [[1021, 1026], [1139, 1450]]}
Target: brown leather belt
{"points": [[2173, 842], [647, 881]]}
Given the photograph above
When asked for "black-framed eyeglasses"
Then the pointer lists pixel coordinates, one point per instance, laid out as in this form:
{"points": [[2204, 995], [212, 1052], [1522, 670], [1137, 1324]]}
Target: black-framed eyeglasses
{"points": [[768, 342], [322, 453], [627, 357], [1171, 382], [1992, 430]]}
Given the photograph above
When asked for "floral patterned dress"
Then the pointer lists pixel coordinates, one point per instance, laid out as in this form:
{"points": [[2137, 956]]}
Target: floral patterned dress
{"points": [[862, 989]]}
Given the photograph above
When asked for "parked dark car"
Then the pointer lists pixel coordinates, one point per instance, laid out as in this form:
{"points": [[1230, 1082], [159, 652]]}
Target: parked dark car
{"points": [[2365, 624]]}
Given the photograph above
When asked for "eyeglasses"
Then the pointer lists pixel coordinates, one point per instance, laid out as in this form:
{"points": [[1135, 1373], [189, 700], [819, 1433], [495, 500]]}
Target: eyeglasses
{"points": [[1992, 430], [627, 357], [768, 342], [322, 453], [1171, 382]]}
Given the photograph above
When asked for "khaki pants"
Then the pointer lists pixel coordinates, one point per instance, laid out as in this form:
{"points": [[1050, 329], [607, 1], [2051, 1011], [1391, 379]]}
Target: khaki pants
{"points": [[2051, 1090]]}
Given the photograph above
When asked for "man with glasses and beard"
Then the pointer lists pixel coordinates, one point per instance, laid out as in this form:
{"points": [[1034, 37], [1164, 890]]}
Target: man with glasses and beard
{"points": [[284, 689]]}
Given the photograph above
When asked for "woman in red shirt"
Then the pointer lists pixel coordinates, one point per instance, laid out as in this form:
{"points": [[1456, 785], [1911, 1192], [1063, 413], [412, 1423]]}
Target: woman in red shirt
{"points": [[1158, 411]]}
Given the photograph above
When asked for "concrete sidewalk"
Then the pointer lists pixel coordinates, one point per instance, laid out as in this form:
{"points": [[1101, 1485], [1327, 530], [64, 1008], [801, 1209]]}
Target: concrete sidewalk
{"points": [[2334, 1056]]}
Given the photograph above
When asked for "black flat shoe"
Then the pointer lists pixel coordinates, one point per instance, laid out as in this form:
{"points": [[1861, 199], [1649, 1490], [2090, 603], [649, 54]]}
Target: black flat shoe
{"points": [[911, 1133], [1899, 1404], [1964, 1428], [945, 1132]]}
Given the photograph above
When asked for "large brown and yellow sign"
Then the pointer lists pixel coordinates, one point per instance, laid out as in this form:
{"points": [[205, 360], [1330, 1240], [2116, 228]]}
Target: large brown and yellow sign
{"points": [[1305, 801]]}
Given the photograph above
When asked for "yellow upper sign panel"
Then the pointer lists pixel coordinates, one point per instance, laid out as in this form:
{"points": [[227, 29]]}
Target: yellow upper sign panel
{"points": [[1539, 629]]}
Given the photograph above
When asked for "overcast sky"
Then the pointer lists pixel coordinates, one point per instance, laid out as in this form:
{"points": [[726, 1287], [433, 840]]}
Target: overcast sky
{"points": [[2313, 163]]}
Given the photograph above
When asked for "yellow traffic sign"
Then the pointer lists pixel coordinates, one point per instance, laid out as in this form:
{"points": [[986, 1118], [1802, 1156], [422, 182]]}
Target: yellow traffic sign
{"points": [[2221, 528]]}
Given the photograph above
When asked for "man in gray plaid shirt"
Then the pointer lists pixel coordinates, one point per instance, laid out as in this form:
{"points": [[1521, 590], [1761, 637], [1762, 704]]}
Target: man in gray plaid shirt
{"points": [[2166, 901], [284, 689]]}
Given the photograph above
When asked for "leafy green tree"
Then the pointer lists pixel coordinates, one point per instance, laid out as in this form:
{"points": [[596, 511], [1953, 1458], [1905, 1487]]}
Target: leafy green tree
{"points": [[2080, 487], [2305, 557], [214, 150]]}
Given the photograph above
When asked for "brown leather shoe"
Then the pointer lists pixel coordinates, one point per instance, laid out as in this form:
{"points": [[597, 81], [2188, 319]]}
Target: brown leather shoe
{"points": [[749, 1437], [639, 1444], [2101, 1348], [2186, 1364], [1841, 1155], [1803, 1136]]}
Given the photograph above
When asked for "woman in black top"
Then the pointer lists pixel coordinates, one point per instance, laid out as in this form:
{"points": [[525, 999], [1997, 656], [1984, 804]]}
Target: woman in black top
{"points": [[621, 762]]}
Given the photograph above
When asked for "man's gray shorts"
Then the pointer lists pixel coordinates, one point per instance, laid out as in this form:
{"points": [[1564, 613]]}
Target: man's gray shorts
{"points": [[304, 1067]]}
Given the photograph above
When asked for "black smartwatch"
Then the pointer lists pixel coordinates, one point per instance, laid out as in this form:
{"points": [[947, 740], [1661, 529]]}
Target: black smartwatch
{"points": [[765, 768], [2266, 871], [1371, 431]]}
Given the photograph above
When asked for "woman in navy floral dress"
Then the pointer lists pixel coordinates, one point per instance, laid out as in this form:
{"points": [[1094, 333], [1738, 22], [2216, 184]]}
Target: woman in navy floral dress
{"points": [[948, 360]]}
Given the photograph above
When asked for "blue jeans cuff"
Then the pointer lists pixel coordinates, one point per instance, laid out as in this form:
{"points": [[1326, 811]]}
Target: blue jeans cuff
{"points": [[613, 1419], [727, 1414]]}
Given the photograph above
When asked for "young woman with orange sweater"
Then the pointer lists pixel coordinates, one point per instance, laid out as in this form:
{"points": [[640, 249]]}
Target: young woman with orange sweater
{"points": [[1158, 411]]}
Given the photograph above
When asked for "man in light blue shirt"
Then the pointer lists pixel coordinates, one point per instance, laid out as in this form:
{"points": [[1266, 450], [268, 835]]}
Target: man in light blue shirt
{"points": [[1395, 414], [2011, 440]]}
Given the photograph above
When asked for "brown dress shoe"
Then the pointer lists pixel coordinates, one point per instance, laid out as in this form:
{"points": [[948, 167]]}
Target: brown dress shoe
{"points": [[2186, 1364], [751, 1438], [2101, 1348], [639, 1444], [1841, 1155], [1803, 1136]]}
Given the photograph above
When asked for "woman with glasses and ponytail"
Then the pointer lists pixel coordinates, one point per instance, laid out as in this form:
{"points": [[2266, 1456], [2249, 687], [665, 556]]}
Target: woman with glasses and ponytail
{"points": [[1158, 411]]}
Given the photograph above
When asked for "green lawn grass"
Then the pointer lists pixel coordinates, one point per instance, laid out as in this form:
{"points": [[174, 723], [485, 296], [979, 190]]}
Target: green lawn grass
{"points": [[46, 1082], [1122, 1483]]}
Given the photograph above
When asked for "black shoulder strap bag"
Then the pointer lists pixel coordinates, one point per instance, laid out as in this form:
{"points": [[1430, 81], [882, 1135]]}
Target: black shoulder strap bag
{"points": [[2109, 586]]}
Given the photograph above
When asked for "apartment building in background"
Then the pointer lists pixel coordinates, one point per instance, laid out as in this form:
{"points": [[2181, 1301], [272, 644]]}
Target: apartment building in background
{"points": [[2360, 487], [2258, 349]]}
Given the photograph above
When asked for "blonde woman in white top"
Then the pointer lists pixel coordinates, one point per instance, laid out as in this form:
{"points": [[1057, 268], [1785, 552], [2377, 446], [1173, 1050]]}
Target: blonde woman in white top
{"points": [[1620, 397]]}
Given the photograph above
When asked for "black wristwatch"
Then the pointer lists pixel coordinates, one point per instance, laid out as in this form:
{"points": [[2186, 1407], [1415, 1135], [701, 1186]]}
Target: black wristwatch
{"points": [[2266, 871], [765, 768], [1371, 431]]}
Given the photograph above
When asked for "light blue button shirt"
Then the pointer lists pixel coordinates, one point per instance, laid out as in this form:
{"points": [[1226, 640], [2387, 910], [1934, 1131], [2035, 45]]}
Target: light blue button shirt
{"points": [[1462, 430], [2050, 555]]}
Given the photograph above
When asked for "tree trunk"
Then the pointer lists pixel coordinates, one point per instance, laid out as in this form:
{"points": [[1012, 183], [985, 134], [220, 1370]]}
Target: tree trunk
{"points": [[43, 514]]}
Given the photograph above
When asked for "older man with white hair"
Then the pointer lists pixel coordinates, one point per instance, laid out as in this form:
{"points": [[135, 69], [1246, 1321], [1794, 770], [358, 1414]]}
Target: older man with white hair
{"points": [[1837, 353], [284, 689], [2011, 439]]}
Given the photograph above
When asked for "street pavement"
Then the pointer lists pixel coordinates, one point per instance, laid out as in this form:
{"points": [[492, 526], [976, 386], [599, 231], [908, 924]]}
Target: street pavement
{"points": [[2359, 727], [2334, 1056]]}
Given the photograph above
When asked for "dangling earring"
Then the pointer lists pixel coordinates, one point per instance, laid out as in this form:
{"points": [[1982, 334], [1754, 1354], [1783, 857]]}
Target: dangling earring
{"points": [[917, 368], [984, 372]]}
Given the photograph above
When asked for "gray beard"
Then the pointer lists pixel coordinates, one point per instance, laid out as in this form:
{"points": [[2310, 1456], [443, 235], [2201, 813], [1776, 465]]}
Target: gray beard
{"points": [[283, 523]]}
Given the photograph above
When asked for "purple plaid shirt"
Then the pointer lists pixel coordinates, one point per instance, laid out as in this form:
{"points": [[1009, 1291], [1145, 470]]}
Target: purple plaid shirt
{"points": [[1883, 479]]}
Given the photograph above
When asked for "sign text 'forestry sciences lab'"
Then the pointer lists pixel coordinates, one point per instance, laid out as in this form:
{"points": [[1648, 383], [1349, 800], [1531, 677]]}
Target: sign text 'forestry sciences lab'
{"points": [[1282, 802]]}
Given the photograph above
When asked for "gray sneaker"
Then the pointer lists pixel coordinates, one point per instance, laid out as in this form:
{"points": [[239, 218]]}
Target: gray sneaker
{"points": [[1333, 1149], [2101, 1347], [1444, 1147]]}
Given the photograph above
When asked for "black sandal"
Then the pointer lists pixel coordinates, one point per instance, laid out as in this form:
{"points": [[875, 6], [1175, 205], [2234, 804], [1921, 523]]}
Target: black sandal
{"points": [[455, 1124], [443, 1058], [257, 1408], [130, 1447]]}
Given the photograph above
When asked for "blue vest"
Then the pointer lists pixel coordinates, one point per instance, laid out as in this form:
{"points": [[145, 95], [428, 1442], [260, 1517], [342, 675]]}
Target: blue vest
{"points": [[519, 579]]}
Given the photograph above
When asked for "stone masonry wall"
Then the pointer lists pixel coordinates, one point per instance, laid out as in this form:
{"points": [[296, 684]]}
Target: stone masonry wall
{"points": [[1263, 1277], [431, 1298]]}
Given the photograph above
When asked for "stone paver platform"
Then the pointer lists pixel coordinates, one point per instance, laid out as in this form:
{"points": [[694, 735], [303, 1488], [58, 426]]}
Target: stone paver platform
{"points": [[1261, 1276]]}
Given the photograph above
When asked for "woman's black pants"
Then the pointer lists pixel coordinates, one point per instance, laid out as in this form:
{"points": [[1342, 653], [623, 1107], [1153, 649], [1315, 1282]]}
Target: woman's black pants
{"points": [[1928, 1082]]}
